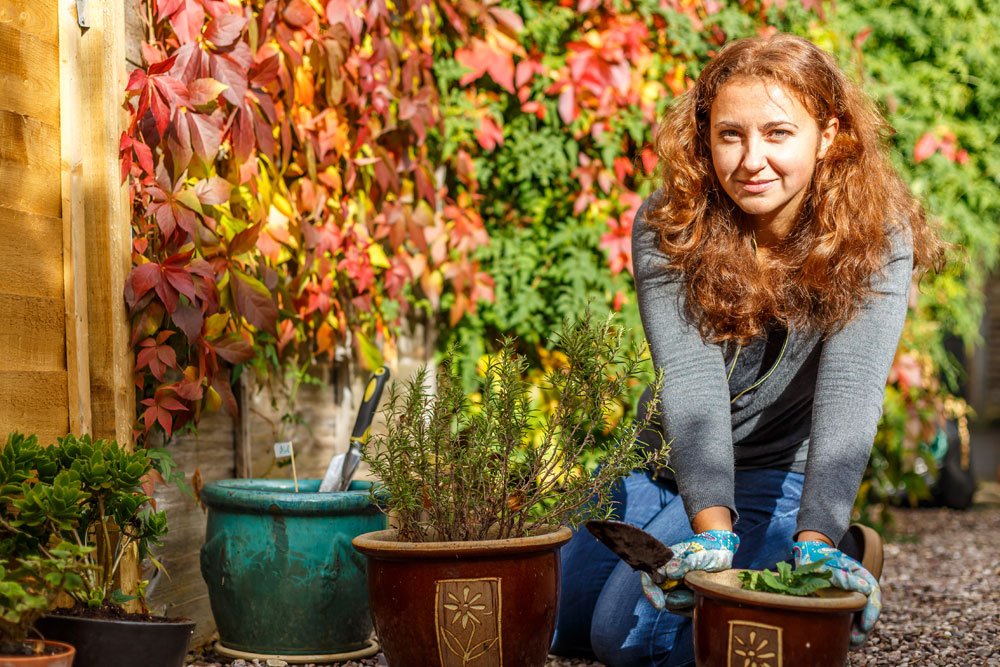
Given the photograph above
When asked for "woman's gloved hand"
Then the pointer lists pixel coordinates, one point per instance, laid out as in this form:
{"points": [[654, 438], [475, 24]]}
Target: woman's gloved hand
{"points": [[849, 575], [711, 551]]}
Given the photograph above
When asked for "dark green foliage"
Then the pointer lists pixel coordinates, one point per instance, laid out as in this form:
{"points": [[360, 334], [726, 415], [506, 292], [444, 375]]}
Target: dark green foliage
{"points": [[81, 492]]}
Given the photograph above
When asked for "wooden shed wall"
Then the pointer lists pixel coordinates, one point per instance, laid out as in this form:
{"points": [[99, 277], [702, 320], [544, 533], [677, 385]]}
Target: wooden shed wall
{"points": [[34, 393]]}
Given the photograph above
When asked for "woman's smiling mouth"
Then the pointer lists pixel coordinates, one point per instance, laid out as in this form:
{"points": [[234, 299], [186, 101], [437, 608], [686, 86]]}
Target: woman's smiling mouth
{"points": [[756, 187]]}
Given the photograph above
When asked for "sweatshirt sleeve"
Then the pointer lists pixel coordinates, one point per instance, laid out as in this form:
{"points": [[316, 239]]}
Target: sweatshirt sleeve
{"points": [[850, 386], [694, 400]]}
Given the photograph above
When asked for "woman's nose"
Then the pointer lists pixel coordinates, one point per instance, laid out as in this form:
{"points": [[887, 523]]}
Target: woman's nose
{"points": [[754, 157]]}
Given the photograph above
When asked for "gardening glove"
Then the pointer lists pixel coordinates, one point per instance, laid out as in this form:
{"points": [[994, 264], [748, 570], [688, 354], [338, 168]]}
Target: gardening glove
{"points": [[711, 551], [849, 575]]}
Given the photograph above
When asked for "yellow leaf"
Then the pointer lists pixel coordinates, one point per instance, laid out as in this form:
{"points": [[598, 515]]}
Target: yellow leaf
{"points": [[377, 256], [216, 324]]}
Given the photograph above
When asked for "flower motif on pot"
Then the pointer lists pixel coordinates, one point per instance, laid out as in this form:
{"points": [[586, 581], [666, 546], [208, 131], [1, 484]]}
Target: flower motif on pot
{"points": [[467, 616], [754, 645]]}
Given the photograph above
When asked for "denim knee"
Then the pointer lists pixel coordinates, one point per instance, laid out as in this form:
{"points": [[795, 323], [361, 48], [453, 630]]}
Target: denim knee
{"points": [[644, 638]]}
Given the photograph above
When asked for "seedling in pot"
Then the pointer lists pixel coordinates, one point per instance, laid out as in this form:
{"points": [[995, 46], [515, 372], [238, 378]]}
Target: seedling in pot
{"points": [[802, 581]]}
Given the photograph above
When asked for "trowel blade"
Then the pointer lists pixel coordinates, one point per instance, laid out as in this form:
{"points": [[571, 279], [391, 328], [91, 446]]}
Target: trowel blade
{"points": [[633, 545], [331, 479]]}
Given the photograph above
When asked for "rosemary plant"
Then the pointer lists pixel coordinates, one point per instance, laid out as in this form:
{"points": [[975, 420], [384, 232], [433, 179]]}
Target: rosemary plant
{"points": [[491, 465]]}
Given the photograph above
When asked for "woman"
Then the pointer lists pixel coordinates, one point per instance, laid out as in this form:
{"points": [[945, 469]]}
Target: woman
{"points": [[773, 269]]}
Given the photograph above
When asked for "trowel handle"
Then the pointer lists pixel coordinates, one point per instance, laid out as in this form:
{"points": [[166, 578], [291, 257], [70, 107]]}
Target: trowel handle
{"points": [[369, 403]]}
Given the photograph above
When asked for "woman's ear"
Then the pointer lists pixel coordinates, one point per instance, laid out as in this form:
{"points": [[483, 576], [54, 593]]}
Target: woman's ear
{"points": [[826, 137]]}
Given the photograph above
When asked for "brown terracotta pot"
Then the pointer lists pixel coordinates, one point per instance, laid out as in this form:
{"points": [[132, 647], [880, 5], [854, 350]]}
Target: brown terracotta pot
{"points": [[62, 656], [464, 604], [738, 628]]}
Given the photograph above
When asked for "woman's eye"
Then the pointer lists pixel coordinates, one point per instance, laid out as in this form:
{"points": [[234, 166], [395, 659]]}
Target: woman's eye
{"points": [[729, 134], [780, 134]]}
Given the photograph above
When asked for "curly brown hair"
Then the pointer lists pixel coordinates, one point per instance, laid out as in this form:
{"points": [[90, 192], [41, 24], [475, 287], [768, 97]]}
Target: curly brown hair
{"points": [[822, 270]]}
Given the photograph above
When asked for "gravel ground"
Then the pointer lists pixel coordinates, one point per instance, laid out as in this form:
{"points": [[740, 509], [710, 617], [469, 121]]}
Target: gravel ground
{"points": [[941, 590]]}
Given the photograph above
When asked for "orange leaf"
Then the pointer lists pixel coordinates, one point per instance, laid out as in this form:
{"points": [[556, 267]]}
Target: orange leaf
{"points": [[482, 58]]}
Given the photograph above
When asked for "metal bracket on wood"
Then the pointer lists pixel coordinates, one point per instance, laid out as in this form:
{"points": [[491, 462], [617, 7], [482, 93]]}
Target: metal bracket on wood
{"points": [[81, 13]]}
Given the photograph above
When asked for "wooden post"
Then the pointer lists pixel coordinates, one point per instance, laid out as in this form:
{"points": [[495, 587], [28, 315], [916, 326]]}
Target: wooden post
{"points": [[74, 225], [101, 119], [93, 81]]}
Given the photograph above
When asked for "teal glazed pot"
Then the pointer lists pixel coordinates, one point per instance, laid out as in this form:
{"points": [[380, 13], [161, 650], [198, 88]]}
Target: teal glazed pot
{"points": [[282, 575]]}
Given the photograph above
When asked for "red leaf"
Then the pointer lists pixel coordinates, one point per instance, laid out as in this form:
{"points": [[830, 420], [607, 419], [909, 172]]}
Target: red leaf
{"points": [[206, 135], [482, 58], [234, 348], [298, 13], [190, 320], [254, 301], [144, 154], [245, 241], [340, 12], [568, 110], [223, 31], [204, 91], [230, 73], [489, 134], [507, 19], [213, 191], [926, 146], [187, 22], [165, 8], [136, 81], [162, 67], [220, 383], [142, 279], [862, 37]]}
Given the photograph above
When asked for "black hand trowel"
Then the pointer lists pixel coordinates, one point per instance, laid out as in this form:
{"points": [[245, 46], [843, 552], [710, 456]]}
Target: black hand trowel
{"points": [[644, 553], [342, 467]]}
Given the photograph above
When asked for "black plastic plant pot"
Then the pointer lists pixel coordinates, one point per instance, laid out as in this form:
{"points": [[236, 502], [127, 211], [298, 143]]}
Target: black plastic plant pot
{"points": [[118, 643]]}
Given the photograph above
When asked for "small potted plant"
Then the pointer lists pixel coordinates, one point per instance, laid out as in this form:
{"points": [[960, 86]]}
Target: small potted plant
{"points": [[28, 588], [88, 493], [480, 488], [788, 617]]}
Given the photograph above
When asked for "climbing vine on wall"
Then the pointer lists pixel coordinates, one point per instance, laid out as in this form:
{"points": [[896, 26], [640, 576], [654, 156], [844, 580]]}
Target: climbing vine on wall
{"points": [[285, 202], [304, 173]]}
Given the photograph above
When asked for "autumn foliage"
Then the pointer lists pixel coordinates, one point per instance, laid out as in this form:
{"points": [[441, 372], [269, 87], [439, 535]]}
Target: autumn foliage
{"points": [[304, 173], [285, 202]]}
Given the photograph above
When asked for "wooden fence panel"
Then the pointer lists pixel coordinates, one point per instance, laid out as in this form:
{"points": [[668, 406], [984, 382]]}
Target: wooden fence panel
{"points": [[33, 366]]}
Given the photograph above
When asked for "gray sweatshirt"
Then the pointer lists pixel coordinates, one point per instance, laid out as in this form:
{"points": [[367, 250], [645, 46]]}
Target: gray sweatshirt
{"points": [[816, 412]]}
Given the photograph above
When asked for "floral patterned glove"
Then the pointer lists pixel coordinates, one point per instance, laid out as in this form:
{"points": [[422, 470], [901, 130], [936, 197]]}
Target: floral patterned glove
{"points": [[849, 575], [711, 551]]}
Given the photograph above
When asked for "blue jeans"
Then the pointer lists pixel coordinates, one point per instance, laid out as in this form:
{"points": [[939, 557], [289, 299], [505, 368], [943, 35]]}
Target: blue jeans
{"points": [[602, 611]]}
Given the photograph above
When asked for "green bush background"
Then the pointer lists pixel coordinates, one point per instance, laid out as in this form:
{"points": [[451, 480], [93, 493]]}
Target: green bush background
{"points": [[930, 66]]}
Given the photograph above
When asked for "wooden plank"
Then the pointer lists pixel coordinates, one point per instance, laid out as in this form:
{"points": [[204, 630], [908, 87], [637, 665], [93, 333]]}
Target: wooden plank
{"points": [[101, 70], [37, 19], [29, 67], [26, 246], [30, 189], [33, 402], [32, 334], [74, 228]]}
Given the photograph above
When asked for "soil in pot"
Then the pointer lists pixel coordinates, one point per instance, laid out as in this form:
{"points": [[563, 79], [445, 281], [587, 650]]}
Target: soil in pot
{"points": [[111, 637], [37, 653], [736, 627], [456, 604]]}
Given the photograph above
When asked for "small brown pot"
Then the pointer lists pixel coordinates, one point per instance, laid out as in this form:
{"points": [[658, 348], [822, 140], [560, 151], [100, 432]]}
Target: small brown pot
{"points": [[463, 604], [58, 655], [739, 628]]}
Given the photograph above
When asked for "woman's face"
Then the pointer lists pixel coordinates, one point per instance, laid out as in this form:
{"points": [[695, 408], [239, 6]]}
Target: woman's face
{"points": [[765, 145]]}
